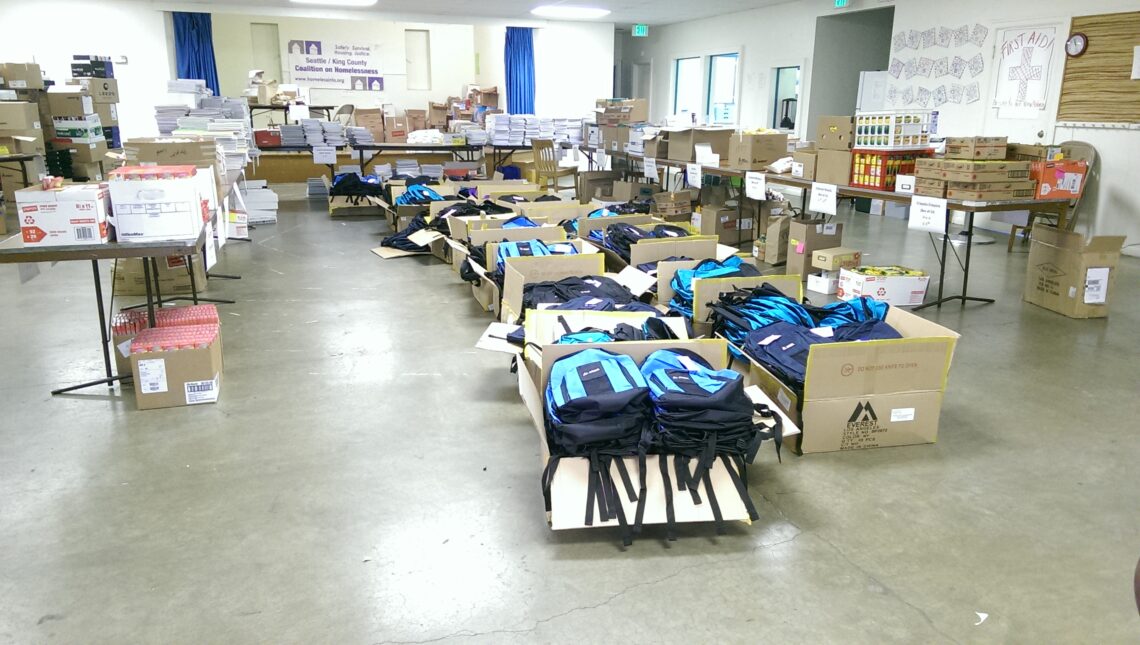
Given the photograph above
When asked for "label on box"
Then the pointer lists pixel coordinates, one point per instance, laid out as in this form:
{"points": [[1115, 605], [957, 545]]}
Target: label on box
{"points": [[693, 172], [152, 376], [823, 198], [18, 85], [1071, 182], [904, 184], [827, 229], [202, 391], [756, 185], [899, 415], [783, 400], [1096, 286], [211, 246], [125, 347], [797, 169], [650, 168], [927, 214]]}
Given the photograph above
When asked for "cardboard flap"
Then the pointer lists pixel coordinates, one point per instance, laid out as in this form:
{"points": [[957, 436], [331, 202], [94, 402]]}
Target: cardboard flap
{"points": [[545, 326], [638, 282], [1105, 244], [723, 252], [525, 270], [497, 221], [543, 233], [425, 237], [665, 273], [1051, 236], [839, 370], [788, 428], [388, 253], [457, 246], [655, 250], [494, 339]]}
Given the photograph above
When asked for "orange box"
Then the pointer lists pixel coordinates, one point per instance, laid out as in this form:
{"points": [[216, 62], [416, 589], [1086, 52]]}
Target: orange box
{"points": [[1060, 179]]}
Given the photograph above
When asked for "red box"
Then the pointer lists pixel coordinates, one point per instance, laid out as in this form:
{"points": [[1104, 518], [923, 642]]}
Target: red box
{"points": [[267, 138], [1064, 179], [877, 169]]}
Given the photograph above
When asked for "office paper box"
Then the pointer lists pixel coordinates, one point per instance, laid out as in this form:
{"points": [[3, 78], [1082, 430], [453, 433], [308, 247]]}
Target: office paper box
{"points": [[395, 129], [772, 247], [437, 115], [625, 191], [102, 90], [19, 115], [1063, 179], [92, 68], [78, 129], [173, 276], [755, 151], [1071, 275], [177, 377], [113, 137], [825, 282], [417, 119], [804, 238], [837, 258], [84, 152], [22, 76], [803, 164], [895, 290], [616, 111], [71, 215], [158, 203], [72, 102], [833, 167], [835, 133], [23, 144], [108, 113], [721, 222], [610, 138]]}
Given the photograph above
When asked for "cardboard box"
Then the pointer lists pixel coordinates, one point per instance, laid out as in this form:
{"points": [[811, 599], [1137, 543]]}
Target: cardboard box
{"points": [[78, 129], [837, 258], [833, 167], [825, 282], [526, 270], [991, 191], [1071, 275], [84, 152], [683, 142], [70, 102], [1060, 179], [150, 209], [488, 96], [72, 215], [437, 115], [19, 115], [930, 187], [895, 290], [625, 191], [92, 69], [772, 247], [756, 151], [88, 171], [108, 114], [173, 276], [417, 119], [803, 164], [655, 147], [395, 129], [23, 144], [371, 118], [167, 379], [722, 222], [804, 238], [1034, 152], [835, 133], [591, 182], [611, 138], [102, 90], [962, 170], [617, 111], [976, 147], [22, 76], [869, 394], [673, 204]]}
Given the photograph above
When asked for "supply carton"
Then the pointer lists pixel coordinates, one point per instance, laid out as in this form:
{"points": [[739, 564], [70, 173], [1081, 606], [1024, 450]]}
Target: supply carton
{"points": [[417, 119], [395, 129], [683, 142], [158, 202], [78, 129], [756, 151], [803, 164], [833, 167], [18, 115], [108, 114], [102, 90], [835, 133], [673, 205], [895, 289], [976, 147], [526, 270], [84, 152], [85, 67], [772, 247], [70, 102], [1063, 179], [371, 118], [611, 138], [21, 76], [837, 258], [930, 187], [619, 111], [72, 215], [720, 221], [436, 115], [625, 191], [825, 282], [804, 238], [17, 144], [656, 146], [1071, 275], [172, 378]]}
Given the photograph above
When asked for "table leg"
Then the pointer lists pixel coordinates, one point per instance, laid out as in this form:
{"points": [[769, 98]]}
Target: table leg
{"points": [[149, 292], [966, 269], [193, 282], [157, 284], [1063, 216], [24, 173], [103, 335]]}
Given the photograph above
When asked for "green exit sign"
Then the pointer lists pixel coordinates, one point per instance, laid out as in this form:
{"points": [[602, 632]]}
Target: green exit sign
{"points": [[642, 31], [841, 4]]}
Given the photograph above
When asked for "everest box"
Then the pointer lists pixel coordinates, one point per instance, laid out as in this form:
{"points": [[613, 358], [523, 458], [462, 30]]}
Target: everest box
{"points": [[897, 290], [158, 202], [1070, 275], [74, 214]]}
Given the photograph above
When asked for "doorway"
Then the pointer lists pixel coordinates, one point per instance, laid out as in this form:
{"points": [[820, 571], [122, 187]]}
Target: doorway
{"points": [[787, 98], [846, 44], [641, 76]]}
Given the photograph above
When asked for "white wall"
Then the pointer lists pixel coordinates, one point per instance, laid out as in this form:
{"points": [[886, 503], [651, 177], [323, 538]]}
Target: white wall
{"points": [[112, 27]]}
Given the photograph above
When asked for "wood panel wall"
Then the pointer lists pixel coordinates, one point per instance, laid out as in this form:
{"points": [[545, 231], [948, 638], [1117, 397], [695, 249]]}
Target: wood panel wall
{"points": [[1097, 85]]}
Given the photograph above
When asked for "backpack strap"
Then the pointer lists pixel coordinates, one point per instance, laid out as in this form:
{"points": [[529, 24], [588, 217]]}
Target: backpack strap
{"points": [[565, 325], [670, 518], [686, 480], [717, 518], [548, 480], [741, 488], [641, 477], [615, 507]]}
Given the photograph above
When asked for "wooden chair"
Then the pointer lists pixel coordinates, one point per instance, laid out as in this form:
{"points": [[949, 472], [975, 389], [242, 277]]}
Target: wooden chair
{"points": [[546, 164], [1080, 151]]}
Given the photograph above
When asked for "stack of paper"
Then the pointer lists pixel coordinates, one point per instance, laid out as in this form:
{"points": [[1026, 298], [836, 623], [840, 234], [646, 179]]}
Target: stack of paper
{"points": [[383, 171], [260, 202], [292, 135], [435, 171], [360, 136], [334, 133], [167, 117], [408, 167], [314, 134], [188, 86], [316, 187]]}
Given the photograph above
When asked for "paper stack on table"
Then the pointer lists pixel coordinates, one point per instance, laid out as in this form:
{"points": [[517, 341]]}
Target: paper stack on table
{"points": [[293, 135], [260, 202], [360, 136]]}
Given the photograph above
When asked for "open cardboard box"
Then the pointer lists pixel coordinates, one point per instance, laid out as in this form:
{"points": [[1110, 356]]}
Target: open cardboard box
{"points": [[460, 226], [519, 272], [556, 211], [568, 489], [545, 326], [667, 270], [545, 233], [487, 292], [869, 394], [706, 290], [656, 250], [588, 224]]}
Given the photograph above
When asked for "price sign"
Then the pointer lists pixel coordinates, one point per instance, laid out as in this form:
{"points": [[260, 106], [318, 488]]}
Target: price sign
{"points": [[650, 168], [823, 198], [927, 214], [693, 170], [325, 155], [756, 185]]}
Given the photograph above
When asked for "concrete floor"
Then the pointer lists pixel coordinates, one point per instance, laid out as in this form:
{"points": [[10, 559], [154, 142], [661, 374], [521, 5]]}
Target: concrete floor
{"points": [[370, 477]]}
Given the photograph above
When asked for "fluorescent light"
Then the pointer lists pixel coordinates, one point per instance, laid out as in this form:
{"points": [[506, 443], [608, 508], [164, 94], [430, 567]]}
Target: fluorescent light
{"points": [[563, 12], [338, 3]]}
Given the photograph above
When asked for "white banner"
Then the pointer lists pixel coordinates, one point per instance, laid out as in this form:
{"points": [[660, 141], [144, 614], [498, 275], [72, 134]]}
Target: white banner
{"points": [[333, 65]]}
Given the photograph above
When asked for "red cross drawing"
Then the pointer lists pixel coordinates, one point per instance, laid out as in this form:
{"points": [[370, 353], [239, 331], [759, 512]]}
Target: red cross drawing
{"points": [[1024, 73]]}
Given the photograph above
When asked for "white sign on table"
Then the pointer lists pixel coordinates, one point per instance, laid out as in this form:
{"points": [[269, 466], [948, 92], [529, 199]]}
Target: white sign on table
{"points": [[693, 170], [325, 155], [927, 214], [756, 185], [650, 168], [211, 246], [297, 112], [823, 198]]}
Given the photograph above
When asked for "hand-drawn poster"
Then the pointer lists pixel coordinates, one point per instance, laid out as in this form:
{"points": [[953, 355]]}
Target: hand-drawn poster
{"points": [[1023, 57], [928, 38], [941, 67], [940, 96], [973, 93], [962, 36], [922, 97], [978, 35], [956, 92], [924, 66], [896, 67], [944, 36], [899, 41], [977, 65]]}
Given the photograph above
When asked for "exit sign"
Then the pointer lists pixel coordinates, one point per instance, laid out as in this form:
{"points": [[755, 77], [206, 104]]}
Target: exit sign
{"points": [[840, 4], [642, 31]]}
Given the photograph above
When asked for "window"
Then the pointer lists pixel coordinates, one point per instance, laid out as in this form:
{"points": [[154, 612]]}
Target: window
{"points": [[417, 52], [687, 85], [722, 88]]}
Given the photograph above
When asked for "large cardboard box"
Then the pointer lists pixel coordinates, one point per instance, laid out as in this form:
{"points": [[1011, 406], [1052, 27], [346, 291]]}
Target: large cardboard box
{"points": [[722, 222], [19, 115], [28, 143], [895, 290], [371, 118], [436, 115], [70, 102], [965, 170], [395, 129], [683, 142], [869, 394], [756, 151], [833, 167], [173, 378], [158, 202], [84, 152], [1071, 275], [805, 238], [625, 191], [611, 138], [526, 270], [835, 133], [803, 164], [772, 247], [836, 258], [1063, 179], [102, 90], [673, 204], [655, 147], [619, 111], [591, 182], [417, 119], [976, 147], [72, 215], [173, 276], [21, 76]]}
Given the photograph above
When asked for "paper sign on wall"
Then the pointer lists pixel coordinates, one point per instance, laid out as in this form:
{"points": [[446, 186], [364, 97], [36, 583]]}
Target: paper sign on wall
{"points": [[755, 185], [823, 198], [927, 214], [904, 184], [650, 168], [693, 170], [324, 155]]}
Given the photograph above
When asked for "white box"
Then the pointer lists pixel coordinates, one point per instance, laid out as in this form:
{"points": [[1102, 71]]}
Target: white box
{"points": [[68, 216], [897, 291], [825, 282], [147, 210]]}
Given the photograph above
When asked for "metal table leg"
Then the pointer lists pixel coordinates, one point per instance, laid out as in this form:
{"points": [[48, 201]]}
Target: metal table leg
{"points": [[963, 297], [111, 378]]}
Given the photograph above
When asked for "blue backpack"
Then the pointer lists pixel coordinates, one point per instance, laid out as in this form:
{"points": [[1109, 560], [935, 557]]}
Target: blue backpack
{"points": [[418, 194], [783, 349], [520, 221], [517, 250], [856, 310], [738, 312], [866, 330], [682, 282]]}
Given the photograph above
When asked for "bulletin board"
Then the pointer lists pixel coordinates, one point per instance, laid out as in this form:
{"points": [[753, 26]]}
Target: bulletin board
{"points": [[1097, 85]]}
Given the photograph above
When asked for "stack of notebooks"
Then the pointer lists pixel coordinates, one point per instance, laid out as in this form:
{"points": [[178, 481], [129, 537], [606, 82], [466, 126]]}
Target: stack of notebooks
{"points": [[167, 117], [568, 130], [260, 202], [293, 136], [407, 167], [188, 86], [314, 134], [435, 171], [383, 171], [334, 133], [360, 137], [316, 187], [475, 136]]}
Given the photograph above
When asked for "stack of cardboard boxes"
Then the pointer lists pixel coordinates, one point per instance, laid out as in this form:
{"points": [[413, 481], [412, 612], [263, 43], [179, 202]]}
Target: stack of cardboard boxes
{"points": [[829, 162], [105, 95], [23, 121], [974, 169], [829, 262], [77, 127]]}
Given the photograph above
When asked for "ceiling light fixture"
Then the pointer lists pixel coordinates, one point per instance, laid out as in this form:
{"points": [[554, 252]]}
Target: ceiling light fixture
{"points": [[563, 12], [337, 3]]}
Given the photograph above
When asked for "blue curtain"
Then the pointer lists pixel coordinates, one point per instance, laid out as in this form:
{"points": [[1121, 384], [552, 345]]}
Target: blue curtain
{"points": [[194, 48], [519, 59]]}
